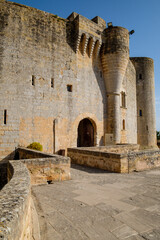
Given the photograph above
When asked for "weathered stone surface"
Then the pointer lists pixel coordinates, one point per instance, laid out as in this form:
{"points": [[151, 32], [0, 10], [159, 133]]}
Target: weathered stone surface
{"points": [[44, 168], [123, 159], [98, 205], [16, 206], [55, 72]]}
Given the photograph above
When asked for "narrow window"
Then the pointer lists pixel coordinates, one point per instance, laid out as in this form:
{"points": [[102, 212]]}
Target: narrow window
{"points": [[123, 123], [123, 99], [69, 88], [33, 80], [140, 113], [101, 74], [52, 82], [5, 116], [140, 76]]}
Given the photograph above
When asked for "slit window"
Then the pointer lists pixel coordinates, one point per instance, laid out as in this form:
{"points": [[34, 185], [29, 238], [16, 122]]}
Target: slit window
{"points": [[140, 76], [140, 113], [33, 80], [123, 124], [69, 88], [52, 82], [5, 116], [123, 99]]}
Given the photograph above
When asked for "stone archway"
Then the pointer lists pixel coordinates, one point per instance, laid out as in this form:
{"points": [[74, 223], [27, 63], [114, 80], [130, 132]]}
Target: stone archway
{"points": [[85, 133]]}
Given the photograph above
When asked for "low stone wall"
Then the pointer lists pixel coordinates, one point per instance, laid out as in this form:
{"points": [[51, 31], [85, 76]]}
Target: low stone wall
{"points": [[44, 167], [108, 161], [15, 205], [116, 162], [143, 160]]}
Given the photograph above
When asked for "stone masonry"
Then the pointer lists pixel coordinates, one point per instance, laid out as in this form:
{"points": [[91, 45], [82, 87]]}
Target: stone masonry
{"points": [[55, 73]]}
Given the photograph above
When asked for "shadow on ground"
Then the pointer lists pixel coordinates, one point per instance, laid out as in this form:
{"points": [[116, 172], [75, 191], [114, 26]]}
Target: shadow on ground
{"points": [[89, 169]]}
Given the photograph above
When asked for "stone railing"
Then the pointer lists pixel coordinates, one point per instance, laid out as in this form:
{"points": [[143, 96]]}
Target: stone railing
{"points": [[15, 205]]}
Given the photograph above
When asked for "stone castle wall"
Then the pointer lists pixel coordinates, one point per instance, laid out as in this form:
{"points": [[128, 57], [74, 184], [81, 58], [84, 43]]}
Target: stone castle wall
{"points": [[36, 49], [54, 72]]}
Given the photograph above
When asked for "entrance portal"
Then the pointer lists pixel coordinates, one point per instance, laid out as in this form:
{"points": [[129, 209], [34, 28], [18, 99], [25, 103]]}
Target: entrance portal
{"points": [[85, 134]]}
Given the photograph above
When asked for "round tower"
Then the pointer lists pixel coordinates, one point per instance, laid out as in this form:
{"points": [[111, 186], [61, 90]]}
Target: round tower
{"points": [[146, 122], [115, 57]]}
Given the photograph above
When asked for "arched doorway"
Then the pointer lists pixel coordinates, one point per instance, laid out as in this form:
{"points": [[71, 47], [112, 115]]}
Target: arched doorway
{"points": [[85, 133]]}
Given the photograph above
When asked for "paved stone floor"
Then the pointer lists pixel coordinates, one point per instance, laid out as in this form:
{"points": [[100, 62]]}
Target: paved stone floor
{"points": [[97, 205]]}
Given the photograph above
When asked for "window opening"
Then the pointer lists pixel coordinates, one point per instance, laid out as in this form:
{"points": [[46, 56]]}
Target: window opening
{"points": [[140, 113], [123, 123], [52, 82], [69, 88], [5, 116], [123, 99], [140, 76], [33, 80]]}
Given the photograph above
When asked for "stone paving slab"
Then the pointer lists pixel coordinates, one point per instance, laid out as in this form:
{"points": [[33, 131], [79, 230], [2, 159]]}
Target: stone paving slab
{"points": [[97, 205]]}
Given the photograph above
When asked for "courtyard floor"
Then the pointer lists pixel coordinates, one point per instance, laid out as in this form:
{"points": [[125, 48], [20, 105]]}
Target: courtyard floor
{"points": [[98, 205]]}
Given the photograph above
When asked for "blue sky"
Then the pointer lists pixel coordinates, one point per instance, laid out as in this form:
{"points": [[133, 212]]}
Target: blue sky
{"points": [[141, 15]]}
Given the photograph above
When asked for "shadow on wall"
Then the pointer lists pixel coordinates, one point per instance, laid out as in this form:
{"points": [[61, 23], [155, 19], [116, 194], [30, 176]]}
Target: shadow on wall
{"points": [[6, 173], [97, 68], [71, 33]]}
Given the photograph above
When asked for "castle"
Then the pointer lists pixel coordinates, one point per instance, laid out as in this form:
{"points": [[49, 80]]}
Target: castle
{"points": [[71, 82]]}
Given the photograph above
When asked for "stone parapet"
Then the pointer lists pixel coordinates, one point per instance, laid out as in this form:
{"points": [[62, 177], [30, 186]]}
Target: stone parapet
{"points": [[43, 167], [15, 205]]}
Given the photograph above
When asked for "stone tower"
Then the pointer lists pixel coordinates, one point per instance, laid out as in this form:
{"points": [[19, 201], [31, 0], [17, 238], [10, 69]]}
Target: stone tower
{"points": [[64, 79], [146, 122], [115, 59]]}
